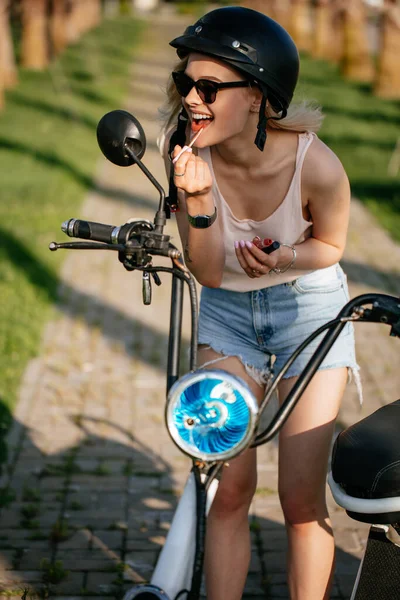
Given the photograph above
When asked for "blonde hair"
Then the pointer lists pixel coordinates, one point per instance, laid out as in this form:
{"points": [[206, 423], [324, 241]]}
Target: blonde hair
{"points": [[302, 116]]}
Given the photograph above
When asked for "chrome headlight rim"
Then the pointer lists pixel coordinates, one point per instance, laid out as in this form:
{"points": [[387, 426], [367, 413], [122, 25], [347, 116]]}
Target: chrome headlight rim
{"points": [[197, 376], [146, 588]]}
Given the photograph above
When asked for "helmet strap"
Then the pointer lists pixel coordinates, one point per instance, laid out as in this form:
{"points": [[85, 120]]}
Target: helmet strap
{"points": [[261, 136], [178, 137]]}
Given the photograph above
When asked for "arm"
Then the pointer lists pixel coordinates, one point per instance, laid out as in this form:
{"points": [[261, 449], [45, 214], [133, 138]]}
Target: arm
{"points": [[326, 186], [203, 248]]}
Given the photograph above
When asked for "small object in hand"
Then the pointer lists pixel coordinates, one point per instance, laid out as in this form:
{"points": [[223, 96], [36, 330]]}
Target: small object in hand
{"points": [[262, 244], [268, 249], [185, 148], [257, 242]]}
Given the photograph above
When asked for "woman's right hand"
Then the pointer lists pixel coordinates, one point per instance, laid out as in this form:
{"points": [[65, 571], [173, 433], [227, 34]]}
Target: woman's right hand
{"points": [[191, 173]]}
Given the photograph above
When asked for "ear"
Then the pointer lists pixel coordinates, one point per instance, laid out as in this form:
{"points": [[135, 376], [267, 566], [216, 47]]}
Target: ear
{"points": [[257, 98]]}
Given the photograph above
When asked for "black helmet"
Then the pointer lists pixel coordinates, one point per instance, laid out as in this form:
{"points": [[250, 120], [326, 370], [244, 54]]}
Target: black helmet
{"points": [[252, 43]]}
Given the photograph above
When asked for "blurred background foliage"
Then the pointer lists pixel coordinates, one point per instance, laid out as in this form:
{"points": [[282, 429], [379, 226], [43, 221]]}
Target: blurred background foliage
{"points": [[48, 154]]}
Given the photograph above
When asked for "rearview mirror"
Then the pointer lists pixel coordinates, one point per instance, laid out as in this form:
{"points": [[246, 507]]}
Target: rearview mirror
{"points": [[117, 130]]}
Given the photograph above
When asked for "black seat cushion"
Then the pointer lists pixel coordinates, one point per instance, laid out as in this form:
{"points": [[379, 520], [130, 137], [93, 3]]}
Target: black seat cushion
{"points": [[366, 456]]}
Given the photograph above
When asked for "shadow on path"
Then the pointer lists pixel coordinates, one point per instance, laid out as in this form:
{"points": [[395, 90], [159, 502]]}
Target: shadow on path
{"points": [[91, 520]]}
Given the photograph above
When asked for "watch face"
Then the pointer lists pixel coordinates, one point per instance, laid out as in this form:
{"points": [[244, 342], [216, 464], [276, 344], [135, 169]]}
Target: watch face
{"points": [[202, 222]]}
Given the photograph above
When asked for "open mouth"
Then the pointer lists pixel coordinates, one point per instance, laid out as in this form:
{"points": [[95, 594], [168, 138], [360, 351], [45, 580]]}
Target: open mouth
{"points": [[200, 123]]}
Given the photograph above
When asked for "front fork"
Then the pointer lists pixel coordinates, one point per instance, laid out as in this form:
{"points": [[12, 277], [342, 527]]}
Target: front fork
{"points": [[174, 569], [175, 328]]}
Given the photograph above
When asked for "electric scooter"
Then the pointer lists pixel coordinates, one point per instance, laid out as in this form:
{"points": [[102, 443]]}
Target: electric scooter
{"points": [[212, 416]]}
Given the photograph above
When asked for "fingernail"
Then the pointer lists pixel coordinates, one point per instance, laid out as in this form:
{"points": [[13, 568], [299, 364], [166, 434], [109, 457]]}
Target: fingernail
{"points": [[249, 244], [242, 243], [236, 244]]}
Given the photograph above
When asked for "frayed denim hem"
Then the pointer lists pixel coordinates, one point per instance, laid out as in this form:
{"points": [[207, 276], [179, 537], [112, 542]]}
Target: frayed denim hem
{"points": [[353, 375], [264, 376], [261, 376]]}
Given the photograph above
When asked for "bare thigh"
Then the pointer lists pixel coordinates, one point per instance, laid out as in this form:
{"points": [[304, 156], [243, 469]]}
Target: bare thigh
{"points": [[240, 479], [305, 442]]}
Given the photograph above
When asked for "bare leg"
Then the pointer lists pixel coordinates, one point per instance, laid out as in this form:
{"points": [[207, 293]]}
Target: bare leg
{"points": [[304, 447], [228, 538]]}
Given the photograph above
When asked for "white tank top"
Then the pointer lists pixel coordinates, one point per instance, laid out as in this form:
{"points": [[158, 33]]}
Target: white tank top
{"points": [[286, 225]]}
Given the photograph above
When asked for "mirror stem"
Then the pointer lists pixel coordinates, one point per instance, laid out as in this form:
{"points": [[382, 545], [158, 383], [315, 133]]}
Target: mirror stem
{"points": [[160, 218]]}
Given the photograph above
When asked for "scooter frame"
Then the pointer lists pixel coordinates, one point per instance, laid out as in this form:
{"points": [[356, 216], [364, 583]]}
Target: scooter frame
{"points": [[137, 242]]}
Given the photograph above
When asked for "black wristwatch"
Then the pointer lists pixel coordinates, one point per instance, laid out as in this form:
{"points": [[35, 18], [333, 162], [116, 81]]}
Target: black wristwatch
{"points": [[202, 221]]}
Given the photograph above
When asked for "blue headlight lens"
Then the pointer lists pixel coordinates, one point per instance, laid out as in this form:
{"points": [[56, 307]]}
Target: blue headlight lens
{"points": [[212, 416]]}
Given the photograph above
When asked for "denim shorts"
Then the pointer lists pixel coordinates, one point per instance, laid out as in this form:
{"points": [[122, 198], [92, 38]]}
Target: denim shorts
{"points": [[272, 322]]}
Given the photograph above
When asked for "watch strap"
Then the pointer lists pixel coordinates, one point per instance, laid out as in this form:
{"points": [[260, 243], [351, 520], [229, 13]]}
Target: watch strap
{"points": [[202, 221]]}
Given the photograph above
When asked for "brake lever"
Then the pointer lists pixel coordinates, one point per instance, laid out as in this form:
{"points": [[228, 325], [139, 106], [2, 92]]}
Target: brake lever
{"points": [[53, 246], [156, 278], [384, 310], [146, 288]]}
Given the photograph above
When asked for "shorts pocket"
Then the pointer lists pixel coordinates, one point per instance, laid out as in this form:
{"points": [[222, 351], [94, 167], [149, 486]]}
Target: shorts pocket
{"points": [[321, 281]]}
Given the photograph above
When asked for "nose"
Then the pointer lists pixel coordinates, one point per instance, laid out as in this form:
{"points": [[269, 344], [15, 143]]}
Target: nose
{"points": [[193, 97]]}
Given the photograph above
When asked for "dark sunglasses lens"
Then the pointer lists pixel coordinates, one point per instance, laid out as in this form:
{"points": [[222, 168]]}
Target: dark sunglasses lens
{"points": [[207, 90], [183, 83]]}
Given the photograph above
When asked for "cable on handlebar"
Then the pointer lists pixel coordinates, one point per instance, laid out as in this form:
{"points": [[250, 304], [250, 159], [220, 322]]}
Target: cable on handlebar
{"points": [[263, 437], [193, 306]]}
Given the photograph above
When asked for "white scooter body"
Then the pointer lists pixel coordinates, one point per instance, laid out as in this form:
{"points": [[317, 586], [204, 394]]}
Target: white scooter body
{"points": [[174, 569]]}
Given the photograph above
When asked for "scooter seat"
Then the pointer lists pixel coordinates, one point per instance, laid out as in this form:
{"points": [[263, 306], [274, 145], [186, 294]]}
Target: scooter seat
{"points": [[366, 460]]}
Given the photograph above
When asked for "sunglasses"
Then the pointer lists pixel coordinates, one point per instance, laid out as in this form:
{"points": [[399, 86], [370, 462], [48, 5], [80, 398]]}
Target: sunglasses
{"points": [[206, 89]]}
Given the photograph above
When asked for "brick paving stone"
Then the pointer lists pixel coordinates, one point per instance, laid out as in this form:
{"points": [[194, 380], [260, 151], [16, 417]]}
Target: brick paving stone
{"points": [[72, 584], [89, 560], [31, 559], [79, 540], [101, 583], [85, 597], [9, 578], [142, 562], [114, 540]]}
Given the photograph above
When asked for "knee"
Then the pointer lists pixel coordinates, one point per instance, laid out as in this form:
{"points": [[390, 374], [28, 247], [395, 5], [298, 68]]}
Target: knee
{"points": [[234, 497], [302, 506]]}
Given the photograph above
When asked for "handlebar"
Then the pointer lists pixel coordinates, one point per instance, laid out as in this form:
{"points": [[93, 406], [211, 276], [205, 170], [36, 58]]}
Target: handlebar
{"points": [[109, 234], [88, 230]]}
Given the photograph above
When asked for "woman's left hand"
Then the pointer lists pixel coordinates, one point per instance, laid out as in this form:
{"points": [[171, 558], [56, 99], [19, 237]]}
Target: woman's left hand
{"points": [[254, 261]]}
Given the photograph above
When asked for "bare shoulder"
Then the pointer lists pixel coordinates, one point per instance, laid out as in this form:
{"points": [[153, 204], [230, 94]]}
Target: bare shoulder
{"points": [[322, 169]]}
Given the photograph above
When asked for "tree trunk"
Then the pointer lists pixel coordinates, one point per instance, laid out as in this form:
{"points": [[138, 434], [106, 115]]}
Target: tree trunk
{"points": [[335, 49], [34, 46], [357, 62], [280, 12], [76, 20], [58, 25], [324, 36], [299, 25], [387, 82], [8, 75], [95, 12]]}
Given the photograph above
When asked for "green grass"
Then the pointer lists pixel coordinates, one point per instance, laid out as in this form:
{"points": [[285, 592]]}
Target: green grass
{"points": [[362, 130], [48, 154]]}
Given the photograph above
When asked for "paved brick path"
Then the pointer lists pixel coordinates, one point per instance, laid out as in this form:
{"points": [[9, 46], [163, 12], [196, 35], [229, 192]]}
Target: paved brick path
{"points": [[95, 476]]}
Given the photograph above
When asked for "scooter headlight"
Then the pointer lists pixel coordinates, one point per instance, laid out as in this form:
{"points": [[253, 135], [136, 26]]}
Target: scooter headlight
{"points": [[211, 414], [146, 592]]}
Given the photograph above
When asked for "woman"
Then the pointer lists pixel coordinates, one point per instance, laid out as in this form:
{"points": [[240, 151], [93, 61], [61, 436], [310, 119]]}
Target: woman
{"points": [[235, 81]]}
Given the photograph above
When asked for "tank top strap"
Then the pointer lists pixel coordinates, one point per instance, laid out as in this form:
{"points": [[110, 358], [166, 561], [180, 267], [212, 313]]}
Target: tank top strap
{"points": [[305, 141]]}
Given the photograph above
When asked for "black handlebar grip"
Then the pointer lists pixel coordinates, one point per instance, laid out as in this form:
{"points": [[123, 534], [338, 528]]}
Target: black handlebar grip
{"points": [[88, 230]]}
